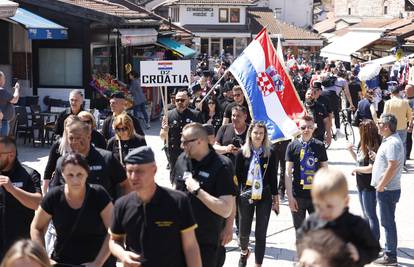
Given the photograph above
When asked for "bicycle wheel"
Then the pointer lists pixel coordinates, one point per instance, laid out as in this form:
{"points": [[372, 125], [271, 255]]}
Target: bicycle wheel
{"points": [[349, 133]]}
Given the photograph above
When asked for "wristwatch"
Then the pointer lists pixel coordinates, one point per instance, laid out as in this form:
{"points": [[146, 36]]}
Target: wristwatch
{"points": [[195, 192]]}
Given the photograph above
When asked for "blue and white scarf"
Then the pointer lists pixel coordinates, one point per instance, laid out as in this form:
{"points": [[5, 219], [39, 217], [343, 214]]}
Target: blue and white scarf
{"points": [[254, 175]]}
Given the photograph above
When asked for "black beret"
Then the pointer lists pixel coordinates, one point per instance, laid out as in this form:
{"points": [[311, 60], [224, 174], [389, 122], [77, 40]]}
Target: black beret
{"points": [[118, 95], [140, 155], [209, 128]]}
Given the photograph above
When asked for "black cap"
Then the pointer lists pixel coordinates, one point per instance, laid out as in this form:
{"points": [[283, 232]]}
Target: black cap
{"points": [[140, 155], [317, 85], [119, 95], [209, 128]]}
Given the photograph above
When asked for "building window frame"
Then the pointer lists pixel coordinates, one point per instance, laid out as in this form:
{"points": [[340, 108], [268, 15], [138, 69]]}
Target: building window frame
{"points": [[385, 10], [175, 14], [49, 67], [349, 11], [235, 15], [223, 15]]}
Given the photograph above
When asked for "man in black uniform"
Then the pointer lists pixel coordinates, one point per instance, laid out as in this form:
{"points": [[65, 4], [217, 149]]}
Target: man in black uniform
{"points": [[208, 178], [239, 99], [152, 226], [231, 137], [304, 156], [76, 106], [173, 124], [20, 195], [321, 116], [105, 169], [118, 105]]}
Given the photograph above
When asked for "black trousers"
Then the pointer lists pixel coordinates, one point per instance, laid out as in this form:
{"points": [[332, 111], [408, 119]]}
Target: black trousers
{"points": [[209, 254], [263, 208], [304, 205], [335, 105], [280, 148], [409, 144]]}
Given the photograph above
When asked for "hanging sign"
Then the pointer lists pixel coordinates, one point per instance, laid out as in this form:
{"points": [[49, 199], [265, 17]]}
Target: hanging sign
{"points": [[165, 73]]}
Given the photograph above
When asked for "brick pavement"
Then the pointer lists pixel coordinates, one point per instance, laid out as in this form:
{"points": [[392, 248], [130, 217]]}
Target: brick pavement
{"points": [[280, 250]]}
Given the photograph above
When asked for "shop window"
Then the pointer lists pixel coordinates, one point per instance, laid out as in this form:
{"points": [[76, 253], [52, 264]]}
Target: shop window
{"points": [[223, 15], [175, 14], [278, 13], [215, 47], [240, 44], [102, 60], [204, 46], [235, 15], [60, 67], [228, 46]]}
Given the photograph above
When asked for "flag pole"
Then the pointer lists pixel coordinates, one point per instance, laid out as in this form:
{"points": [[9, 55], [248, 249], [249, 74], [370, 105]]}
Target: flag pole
{"points": [[212, 88]]}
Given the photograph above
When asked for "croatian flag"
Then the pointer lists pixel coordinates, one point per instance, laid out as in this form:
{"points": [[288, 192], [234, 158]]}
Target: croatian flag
{"points": [[268, 89]]}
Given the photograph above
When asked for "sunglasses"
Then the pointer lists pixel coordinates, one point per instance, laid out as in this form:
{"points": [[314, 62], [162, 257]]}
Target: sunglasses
{"points": [[180, 100], [303, 127], [237, 95], [186, 142], [211, 103], [198, 101], [121, 129]]}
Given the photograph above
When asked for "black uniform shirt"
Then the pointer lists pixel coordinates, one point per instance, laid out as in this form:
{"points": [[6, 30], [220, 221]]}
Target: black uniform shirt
{"points": [[15, 218], [176, 123], [319, 113], [105, 170], [226, 136], [350, 228], [153, 230], [83, 243], [215, 174], [293, 155]]}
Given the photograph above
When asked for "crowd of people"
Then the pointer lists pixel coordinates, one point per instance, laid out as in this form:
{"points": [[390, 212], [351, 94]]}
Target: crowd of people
{"points": [[99, 202]]}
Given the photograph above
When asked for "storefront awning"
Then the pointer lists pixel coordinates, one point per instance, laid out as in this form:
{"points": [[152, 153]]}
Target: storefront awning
{"points": [[181, 49], [136, 37], [343, 47], [39, 28]]}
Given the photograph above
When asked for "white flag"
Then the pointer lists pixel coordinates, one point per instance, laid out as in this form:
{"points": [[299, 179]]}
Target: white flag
{"points": [[279, 51]]}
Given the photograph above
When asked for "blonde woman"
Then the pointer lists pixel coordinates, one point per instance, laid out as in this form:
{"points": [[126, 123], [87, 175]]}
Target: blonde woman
{"points": [[25, 253], [257, 181], [97, 139], [125, 138]]}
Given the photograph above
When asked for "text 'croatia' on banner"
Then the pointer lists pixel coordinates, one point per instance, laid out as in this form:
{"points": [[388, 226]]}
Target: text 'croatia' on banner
{"points": [[269, 91]]}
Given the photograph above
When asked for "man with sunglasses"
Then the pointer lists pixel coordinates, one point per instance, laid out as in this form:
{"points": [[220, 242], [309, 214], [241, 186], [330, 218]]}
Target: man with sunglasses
{"points": [[20, 195], [173, 124], [304, 157], [239, 100], [207, 177]]}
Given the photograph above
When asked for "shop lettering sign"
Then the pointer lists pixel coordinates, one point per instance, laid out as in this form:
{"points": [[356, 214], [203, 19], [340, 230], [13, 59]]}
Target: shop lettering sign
{"points": [[165, 73], [201, 11]]}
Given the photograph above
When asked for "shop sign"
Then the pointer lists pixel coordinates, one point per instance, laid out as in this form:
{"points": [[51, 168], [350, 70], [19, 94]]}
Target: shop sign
{"points": [[201, 11], [165, 73]]}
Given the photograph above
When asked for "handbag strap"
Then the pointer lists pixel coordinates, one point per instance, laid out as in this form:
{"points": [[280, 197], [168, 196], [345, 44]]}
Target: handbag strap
{"points": [[77, 220]]}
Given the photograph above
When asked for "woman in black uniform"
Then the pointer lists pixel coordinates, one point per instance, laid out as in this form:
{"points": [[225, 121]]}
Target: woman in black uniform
{"points": [[81, 214]]}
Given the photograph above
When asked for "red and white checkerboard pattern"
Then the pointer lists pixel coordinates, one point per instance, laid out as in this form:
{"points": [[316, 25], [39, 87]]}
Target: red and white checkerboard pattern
{"points": [[265, 84]]}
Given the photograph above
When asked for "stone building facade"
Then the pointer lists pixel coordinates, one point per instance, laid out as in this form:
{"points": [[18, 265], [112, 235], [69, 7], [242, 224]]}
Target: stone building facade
{"points": [[370, 8]]}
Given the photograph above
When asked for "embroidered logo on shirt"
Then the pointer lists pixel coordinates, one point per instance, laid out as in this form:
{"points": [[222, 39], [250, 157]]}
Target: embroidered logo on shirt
{"points": [[203, 174], [95, 168], [164, 223], [18, 184]]}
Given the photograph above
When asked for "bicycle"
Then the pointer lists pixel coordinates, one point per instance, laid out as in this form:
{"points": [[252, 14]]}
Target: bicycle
{"points": [[346, 125]]}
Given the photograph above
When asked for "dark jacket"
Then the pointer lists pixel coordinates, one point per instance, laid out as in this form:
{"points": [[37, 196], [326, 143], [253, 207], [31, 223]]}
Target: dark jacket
{"points": [[350, 228], [268, 168]]}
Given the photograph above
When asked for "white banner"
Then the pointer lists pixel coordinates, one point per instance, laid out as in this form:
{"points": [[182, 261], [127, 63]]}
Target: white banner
{"points": [[165, 73]]}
